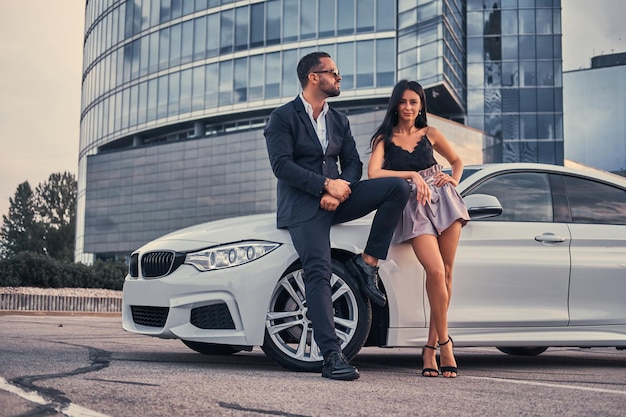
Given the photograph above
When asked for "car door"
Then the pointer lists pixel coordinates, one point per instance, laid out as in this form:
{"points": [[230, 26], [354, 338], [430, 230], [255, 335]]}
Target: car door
{"points": [[598, 250], [513, 269]]}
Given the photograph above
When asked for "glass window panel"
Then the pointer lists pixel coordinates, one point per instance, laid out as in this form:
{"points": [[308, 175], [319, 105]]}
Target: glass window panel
{"points": [[226, 83], [144, 54], [545, 126], [211, 83], [528, 100], [308, 19], [187, 7], [125, 108], [385, 15], [143, 101], [165, 10], [127, 61], [509, 48], [544, 47], [545, 100], [528, 126], [327, 18], [544, 21], [133, 105], [509, 22], [592, 202], [213, 35], [365, 16], [153, 59], [155, 11], [525, 197], [173, 94], [527, 48], [475, 50], [197, 101], [428, 11], [201, 5], [145, 14], [241, 28], [272, 75], [407, 41], [545, 73], [385, 63], [407, 19], [241, 80], [128, 20], [290, 20], [273, 24], [527, 21], [475, 75], [227, 31], [185, 91], [164, 48], [175, 38], [510, 74], [345, 63], [257, 25], [256, 76], [474, 23], [186, 42], [199, 38], [290, 83], [528, 73], [152, 99], [177, 8], [162, 101], [407, 58], [345, 17]]}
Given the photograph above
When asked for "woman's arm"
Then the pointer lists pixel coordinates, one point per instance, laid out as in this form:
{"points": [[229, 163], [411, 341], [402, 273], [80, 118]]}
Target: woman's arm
{"points": [[445, 149]]}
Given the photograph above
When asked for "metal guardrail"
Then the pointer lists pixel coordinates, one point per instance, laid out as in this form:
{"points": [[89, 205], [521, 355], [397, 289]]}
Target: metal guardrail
{"points": [[59, 303]]}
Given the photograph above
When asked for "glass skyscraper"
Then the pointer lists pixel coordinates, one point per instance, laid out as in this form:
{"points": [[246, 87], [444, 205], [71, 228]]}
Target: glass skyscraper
{"points": [[176, 93]]}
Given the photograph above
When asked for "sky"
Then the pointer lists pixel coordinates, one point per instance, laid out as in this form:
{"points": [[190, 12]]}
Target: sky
{"points": [[41, 66]]}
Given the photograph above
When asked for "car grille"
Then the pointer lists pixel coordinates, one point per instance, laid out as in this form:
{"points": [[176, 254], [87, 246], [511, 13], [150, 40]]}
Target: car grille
{"points": [[160, 264], [216, 316], [150, 316]]}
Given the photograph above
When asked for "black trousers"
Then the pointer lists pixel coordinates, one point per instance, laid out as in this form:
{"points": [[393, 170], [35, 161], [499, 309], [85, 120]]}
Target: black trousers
{"points": [[312, 242]]}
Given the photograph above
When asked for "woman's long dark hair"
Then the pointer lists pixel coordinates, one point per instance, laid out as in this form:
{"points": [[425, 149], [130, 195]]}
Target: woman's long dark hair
{"points": [[385, 130]]}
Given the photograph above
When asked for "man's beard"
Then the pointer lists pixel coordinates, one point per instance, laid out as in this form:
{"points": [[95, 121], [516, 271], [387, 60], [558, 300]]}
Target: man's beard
{"points": [[329, 89]]}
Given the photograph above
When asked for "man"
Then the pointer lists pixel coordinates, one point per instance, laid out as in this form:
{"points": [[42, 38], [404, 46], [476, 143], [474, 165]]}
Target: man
{"points": [[306, 139]]}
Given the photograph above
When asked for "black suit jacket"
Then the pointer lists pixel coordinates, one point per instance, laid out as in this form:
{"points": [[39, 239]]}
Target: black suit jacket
{"points": [[299, 162]]}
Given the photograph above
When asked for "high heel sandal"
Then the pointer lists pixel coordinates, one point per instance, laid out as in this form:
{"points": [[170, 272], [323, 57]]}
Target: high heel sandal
{"points": [[451, 369], [428, 372]]}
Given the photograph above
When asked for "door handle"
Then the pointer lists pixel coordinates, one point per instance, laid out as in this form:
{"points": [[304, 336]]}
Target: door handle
{"points": [[549, 238]]}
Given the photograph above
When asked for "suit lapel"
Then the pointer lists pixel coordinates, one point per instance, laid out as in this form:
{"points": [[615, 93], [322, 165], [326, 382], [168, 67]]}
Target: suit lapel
{"points": [[306, 120]]}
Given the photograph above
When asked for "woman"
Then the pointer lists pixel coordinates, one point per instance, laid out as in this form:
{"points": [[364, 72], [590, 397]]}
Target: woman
{"points": [[403, 147]]}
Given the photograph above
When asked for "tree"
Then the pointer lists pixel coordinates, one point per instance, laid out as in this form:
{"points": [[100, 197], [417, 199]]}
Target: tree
{"points": [[56, 207], [21, 231]]}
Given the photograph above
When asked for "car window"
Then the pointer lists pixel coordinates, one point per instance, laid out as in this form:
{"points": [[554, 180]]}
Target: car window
{"points": [[594, 202], [525, 196]]}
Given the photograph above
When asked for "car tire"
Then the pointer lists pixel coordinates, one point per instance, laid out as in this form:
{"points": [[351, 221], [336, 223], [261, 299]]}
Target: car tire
{"points": [[523, 351], [288, 332], [212, 348]]}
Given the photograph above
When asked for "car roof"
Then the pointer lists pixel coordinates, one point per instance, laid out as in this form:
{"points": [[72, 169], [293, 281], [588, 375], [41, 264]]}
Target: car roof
{"points": [[483, 170]]}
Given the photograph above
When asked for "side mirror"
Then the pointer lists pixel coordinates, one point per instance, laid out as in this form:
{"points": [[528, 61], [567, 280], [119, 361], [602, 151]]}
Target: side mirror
{"points": [[482, 206]]}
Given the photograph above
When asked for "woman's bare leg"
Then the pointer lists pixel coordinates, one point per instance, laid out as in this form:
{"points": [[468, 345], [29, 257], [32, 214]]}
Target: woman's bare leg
{"points": [[448, 243], [426, 248]]}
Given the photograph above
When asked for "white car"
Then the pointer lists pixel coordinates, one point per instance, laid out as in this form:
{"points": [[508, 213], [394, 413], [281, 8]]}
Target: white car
{"points": [[542, 263]]}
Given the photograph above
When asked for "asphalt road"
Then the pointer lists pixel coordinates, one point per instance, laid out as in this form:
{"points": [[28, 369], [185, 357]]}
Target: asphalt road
{"points": [[88, 366]]}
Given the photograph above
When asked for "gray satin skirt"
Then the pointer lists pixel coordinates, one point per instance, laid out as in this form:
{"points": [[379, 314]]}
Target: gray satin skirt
{"points": [[446, 207]]}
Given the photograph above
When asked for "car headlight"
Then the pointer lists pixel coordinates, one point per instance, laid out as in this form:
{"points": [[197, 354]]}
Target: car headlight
{"points": [[227, 256]]}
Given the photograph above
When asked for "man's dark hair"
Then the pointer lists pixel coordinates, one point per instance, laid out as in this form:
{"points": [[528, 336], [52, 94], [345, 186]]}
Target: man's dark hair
{"points": [[307, 64]]}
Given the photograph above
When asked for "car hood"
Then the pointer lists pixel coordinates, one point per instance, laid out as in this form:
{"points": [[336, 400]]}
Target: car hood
{"points": [[254, 227]]}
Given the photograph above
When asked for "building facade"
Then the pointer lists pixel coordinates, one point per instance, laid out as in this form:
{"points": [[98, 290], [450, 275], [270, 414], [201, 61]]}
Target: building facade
{"points": [[176, 93], [596, 130]]}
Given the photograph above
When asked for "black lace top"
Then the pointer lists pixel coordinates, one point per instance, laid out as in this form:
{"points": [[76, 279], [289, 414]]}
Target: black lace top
{"points": [[399, 159]]}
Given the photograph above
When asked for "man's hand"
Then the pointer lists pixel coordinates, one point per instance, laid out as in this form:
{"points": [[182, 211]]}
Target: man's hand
{"points": [[329, 203], [340, 189]]}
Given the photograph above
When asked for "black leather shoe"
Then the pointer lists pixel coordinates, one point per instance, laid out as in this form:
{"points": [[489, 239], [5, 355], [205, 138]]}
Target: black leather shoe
{"points": [[369, 278], [336, 366]]}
